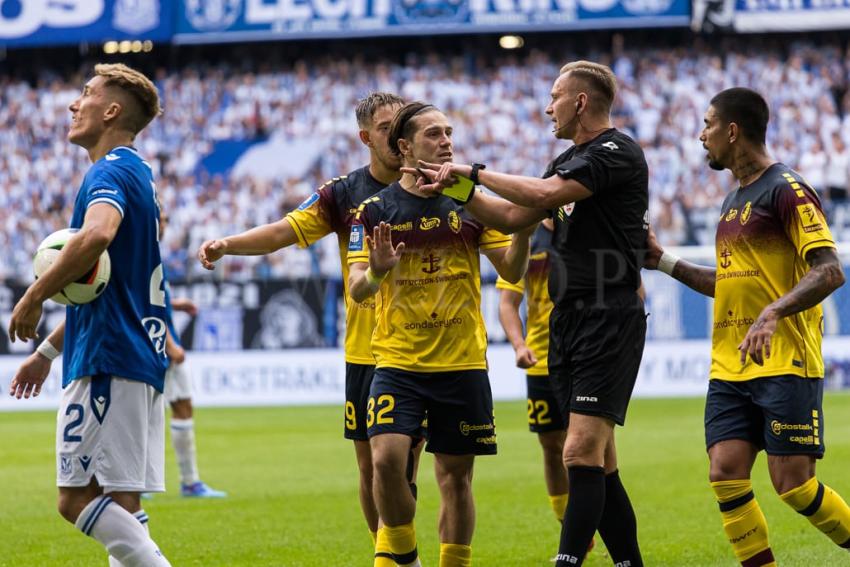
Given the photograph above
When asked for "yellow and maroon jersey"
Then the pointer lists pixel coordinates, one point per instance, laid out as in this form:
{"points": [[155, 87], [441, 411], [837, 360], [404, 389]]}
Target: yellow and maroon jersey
{"points": [[765, 231], [538, 302], [429, 306], [332, 209]]}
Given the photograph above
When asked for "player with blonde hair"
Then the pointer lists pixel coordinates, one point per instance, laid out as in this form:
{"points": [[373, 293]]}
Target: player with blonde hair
{"points": [[110, 435]]}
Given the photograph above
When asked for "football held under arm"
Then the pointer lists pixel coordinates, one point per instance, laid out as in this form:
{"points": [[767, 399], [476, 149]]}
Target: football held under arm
{"points": [[81, 252]]}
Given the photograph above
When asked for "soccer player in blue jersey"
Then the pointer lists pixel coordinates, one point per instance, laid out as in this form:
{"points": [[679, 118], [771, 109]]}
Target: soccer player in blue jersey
{"points": [[110, 432], [178, 394]]}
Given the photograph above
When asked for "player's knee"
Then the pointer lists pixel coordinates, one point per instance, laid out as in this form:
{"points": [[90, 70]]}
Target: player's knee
{"points": [[455, 482], [69, 507], [726, 470], [181, 409], [583, 451], [385, 465], [366, 472], [787, 479], [551, 443]]}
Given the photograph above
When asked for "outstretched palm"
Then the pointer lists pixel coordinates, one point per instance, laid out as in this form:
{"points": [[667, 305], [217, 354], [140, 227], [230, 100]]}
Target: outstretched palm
{"points": [[383, 257]]}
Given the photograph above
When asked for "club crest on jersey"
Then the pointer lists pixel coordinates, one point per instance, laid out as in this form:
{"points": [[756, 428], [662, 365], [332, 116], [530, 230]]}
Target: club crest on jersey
{"points": [[428, 223], [65, 465], [730, 216], [156, 332], [745, 214], [308, 201], [355, 241], [454, 222]]}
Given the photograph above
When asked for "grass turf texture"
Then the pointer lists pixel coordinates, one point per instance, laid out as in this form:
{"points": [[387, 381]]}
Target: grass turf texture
{"points": [[293, 494]]}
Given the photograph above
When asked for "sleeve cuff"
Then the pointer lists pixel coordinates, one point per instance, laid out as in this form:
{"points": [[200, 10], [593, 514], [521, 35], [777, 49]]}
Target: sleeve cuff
{"points": [[299, 234], [823, 243], [357, 258], [112, 202]]}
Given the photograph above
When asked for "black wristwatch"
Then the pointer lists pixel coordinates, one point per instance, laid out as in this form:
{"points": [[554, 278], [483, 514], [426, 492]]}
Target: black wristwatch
{"points": [[476, 167]]}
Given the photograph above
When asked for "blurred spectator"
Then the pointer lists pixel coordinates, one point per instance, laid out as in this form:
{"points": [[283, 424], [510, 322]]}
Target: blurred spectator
{"points": [[838, 169]]}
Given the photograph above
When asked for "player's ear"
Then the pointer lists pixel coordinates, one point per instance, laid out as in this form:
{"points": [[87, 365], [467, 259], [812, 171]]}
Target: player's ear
{"points": [[112, 112], [364, 137], [733, 132], [403, 147]]}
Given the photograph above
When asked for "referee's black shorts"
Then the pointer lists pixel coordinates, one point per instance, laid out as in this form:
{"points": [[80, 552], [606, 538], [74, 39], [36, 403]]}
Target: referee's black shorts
{"points": [[595, 348]]}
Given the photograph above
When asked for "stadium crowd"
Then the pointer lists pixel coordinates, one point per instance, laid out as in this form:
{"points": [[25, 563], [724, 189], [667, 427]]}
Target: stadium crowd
{"points": [[493, 101]]}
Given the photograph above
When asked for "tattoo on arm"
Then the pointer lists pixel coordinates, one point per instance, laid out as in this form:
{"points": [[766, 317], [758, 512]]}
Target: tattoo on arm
{"points": [[824, 277], [698, 278]]}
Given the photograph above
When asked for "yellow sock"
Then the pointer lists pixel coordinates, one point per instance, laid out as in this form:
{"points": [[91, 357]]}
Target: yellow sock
{"points": [[374, 537], [824, 508], [559, 505], [455, 555], [744, 522], [383, 555], [402, 544]]}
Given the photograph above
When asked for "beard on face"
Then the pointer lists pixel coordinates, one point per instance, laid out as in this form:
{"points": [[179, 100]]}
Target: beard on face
{"points": [[715, 165]]}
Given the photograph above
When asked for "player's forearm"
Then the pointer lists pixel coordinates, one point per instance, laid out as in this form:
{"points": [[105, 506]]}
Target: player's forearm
{"points": [[502, 215], [78, 256], [360, 285], [57, 337], [260, 240], [813, 288], [511, 323], [514, 263], [532, 192], [698, 278]]}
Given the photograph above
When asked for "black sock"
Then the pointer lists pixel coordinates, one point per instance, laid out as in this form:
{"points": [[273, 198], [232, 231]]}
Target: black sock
{"points": [[584, 510], [618, 526]]}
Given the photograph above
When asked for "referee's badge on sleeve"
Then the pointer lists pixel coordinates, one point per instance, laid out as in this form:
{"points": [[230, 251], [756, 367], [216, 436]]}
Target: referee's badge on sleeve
{"points": [[355, 241]]}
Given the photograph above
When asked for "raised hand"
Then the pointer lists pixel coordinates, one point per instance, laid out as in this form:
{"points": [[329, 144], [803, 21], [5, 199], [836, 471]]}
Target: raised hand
{"points": [[211, 251], [432, 178], [383, 257]]}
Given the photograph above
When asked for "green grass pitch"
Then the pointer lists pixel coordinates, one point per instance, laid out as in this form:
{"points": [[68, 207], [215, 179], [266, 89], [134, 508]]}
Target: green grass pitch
{"points": [[293, 498]]}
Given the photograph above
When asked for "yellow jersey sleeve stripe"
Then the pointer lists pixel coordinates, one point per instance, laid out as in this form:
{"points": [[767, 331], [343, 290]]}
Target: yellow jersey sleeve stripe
{"points": [[491, 238], [518, 287], [495, 244], [822, 243], [299, 233], [357, 257]]}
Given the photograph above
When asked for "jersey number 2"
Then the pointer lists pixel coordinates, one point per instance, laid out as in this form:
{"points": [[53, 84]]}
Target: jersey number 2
{"points": [[68, 437]]}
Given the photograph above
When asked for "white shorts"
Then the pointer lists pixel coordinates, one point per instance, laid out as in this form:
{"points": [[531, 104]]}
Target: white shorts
{"points": [[113, 429], [178, 383]]}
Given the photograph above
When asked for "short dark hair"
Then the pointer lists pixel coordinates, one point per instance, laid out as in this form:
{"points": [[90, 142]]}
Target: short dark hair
{"points": [[402, 124], [747, 109], [369, 105]]}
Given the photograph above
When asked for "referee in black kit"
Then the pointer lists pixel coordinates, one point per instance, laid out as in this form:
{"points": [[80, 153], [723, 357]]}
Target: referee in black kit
{"points": [[597, 194]]}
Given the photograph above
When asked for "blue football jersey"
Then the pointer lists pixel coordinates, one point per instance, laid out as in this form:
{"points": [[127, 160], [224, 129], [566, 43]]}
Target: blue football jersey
{"points": [[122, 332]]}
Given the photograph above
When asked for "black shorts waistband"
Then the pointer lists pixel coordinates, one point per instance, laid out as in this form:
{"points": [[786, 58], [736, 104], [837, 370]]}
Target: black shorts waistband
{"points": [[619, 297]]}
